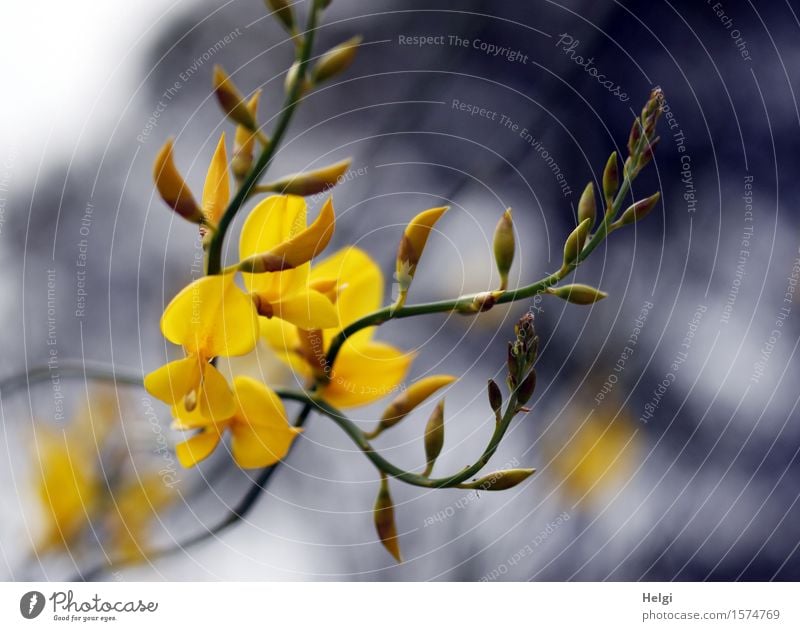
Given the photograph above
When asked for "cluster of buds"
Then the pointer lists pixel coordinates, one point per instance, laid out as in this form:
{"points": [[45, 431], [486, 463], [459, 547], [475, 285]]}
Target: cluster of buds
{"points": [[522, 353], [521, 376]]}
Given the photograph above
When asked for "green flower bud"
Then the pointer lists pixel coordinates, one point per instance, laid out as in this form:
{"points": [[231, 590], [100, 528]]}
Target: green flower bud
{"points": [[587, 209], [434, 437], [501, 480], [383, 514], [639, 210], [578, 294], [575, 242], [495, 397], [504, 247], [611, 179]]}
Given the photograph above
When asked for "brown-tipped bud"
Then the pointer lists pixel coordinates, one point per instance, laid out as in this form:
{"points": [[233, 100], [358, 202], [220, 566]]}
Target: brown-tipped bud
{"points": [[578, 294], [311, 182], [501, 480], [635, 135], [647, 154], [526, 388], [575, 242], [244, 142], [231, 100], [434, 436], [587, 208], [383, 514], [415, 394], [411, 247], [639, 210], [172, 188], [336, 60], [503, 245], [611, 179], [513, 366], [495, 397], [282, 10]]}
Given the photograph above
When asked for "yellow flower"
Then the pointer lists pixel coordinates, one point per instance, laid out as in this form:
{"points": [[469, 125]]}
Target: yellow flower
{"points": [[211, 317], [276, 237], [365, 370], [136, 505], [216, 190], [67, 487], [261, 434]]}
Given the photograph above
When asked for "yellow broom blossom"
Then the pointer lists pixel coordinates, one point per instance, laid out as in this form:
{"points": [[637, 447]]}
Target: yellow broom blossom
{"points": [[261, 434], [276, 243], [365, 370], [211, 317]]}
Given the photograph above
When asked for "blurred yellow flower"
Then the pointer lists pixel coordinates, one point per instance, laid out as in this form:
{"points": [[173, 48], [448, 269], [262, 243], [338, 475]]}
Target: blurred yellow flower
{"points": [[137, 505], [598, 453], [211, 317], [67, 486], [365, 370], [275, 231], [261, 434]]}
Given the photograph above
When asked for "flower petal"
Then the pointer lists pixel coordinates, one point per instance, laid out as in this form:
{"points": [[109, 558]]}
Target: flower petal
{"points": [[215, 399], [212, 317], [254, 446], [197, 448], [216, 191], [261, 432], [306, 310], [283, 339], [360, 284], [366, 372], [274, 220], [173, 381]]}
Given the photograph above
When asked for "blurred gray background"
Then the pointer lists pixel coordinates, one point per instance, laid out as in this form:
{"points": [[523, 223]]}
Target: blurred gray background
{"points": [[696, 480]]}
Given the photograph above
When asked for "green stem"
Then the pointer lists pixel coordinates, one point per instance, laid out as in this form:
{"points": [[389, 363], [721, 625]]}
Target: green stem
{"points": [[415, 479], [467, 302], [214, 264]]}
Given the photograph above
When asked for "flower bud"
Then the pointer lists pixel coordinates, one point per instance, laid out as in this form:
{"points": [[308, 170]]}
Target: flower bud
{"points": [[282, 11], [635, 135], [639, 210], [434, 436], [172, 188], [231, 100], [383, 514], [495, 397], [575, 242], [216, 190], [587, 208], [311, 182], [415, 394], [501, 480], [578, 294], [611, 179], [411, 246], [336, 60], [504, 247], [291, 78], [526, 388], [244, 142]]}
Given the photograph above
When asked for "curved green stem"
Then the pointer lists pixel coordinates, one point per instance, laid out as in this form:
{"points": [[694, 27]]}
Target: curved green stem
{"points": [[359, 438], [214, 264], [469, 303]]}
